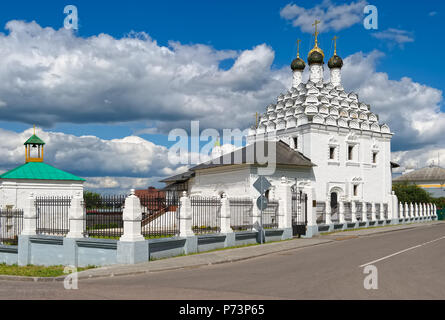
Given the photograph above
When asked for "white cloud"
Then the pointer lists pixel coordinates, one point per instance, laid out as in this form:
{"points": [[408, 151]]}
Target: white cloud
{"points": [[332, 16], [51, 76], [394, 35], [411, 109], [432, 13]]}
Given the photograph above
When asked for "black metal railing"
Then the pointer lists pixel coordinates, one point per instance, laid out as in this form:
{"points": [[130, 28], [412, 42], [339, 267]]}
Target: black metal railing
{"points": [[321, 212], [378, 214], [52, 215], [348, 211], [368, 211], [241, 210], [359, 211], [206, 215], [11, 225], [270, 215], [104, 216], [160, 215]]}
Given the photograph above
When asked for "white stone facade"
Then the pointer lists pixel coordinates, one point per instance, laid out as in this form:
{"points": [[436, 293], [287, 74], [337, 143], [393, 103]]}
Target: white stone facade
{"points": [[15, 193]]}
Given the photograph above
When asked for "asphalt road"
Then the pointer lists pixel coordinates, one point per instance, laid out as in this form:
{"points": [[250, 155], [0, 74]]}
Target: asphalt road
{"points": [[410, 265]]}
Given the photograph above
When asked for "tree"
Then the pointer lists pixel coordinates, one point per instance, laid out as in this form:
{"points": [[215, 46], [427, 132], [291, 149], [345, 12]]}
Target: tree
{"points": [[92, 199], [411, 193]]}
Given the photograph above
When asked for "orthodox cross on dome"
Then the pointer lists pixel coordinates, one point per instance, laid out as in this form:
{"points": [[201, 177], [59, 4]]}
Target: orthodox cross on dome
{"points": [[316, 32], [298, 48], [34, 143], [335, 44]]}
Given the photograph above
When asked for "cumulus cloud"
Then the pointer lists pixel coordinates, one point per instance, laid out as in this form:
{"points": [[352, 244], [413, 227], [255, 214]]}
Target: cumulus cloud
{"points": [[411, 109], [107, 165], [395, 36], [102, 79], [332, 16]]}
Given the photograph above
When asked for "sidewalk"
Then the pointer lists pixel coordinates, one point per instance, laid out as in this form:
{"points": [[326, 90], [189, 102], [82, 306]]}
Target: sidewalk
{"points": [[227, 255], [238, 254]]}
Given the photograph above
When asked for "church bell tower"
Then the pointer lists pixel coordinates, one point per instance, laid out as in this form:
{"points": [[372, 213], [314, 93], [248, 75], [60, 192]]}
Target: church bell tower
{"points": [[34, 148]]}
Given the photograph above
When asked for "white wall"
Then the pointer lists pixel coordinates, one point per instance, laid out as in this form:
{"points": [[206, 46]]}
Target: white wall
{"points": [[15, 192]]}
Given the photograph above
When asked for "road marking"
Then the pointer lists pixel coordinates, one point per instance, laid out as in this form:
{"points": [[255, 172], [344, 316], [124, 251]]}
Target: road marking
{"points": [[402, 251]]}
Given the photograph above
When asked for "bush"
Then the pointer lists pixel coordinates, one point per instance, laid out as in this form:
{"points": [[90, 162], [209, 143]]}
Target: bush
{"points": [[411, 193]]}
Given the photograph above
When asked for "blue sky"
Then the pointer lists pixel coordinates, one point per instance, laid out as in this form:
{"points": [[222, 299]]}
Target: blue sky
{"points": [[210, 37]]}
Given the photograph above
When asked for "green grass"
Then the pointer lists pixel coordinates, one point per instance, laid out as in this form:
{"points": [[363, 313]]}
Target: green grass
{"points": [[35, 271]]}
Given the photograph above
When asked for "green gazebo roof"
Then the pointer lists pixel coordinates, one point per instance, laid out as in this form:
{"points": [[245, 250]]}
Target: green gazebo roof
{"points": [[39, 171], [34, 140]]}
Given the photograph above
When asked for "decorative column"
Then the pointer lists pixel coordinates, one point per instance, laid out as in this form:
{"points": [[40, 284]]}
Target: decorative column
{"points": [[341, 212], [434, 211], [76, 217], [382, 211], [408, 213], [364, 212], [132, 217], [328, 211], [353, 212], [185, 217], [29, 217], [312, 227], [373, 211], [29, 230], [412, 214], [225, 222], [428, 210], [132, 247], [225, 215], [416, 210], [401, 213], [284, 195]]}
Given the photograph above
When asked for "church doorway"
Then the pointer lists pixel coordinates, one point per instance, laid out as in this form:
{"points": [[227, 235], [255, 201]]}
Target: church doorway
{"points": [[334, 206]]}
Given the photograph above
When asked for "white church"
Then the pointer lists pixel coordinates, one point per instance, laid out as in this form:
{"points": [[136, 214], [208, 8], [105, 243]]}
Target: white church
{"points": [[321, 133]]}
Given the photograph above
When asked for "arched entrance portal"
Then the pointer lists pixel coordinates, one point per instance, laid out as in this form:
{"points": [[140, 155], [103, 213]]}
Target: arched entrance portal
{"points": [[334, 201], [335, 195]]}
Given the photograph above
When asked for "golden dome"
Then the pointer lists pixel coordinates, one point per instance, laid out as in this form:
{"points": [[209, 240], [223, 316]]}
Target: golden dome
{"points": [[317, 49]]}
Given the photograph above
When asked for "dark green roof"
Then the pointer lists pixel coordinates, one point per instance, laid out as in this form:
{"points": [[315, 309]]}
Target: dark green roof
{"points": [[297, 64], [335, 62], [39, 171], [315, 57], [34, 140]]}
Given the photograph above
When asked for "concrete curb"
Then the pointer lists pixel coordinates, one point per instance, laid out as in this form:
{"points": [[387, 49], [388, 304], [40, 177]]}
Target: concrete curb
{"points": [[31, 279], [86, 276]]}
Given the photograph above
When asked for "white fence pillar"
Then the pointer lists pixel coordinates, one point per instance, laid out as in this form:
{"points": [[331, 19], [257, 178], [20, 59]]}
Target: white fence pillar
{"points": [[411, 210], [373, 215], [364, 212], [185, 216], [328, 211], [225, 215], [311, 208], [401, 211], [423, 209], [353, 212], [76, 217], [393, 208], [284, 194], [341, 212], [29, 217], [132, 217], [408, 213], [382, 212]]}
